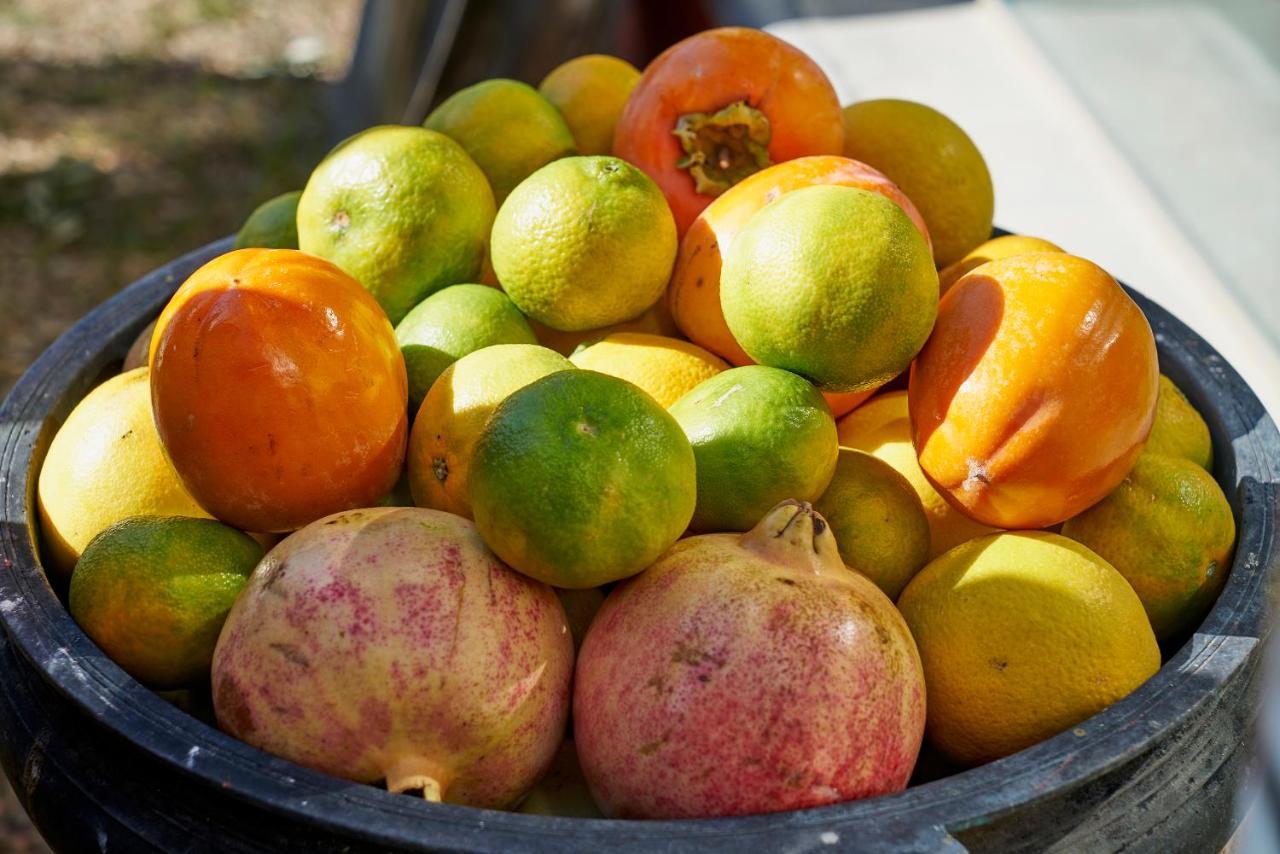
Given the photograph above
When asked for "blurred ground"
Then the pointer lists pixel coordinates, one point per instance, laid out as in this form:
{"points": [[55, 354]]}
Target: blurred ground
{"points": [[132, 131]]}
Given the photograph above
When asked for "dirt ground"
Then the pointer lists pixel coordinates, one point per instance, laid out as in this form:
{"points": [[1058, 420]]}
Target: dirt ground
{"points": [[132, 131]]}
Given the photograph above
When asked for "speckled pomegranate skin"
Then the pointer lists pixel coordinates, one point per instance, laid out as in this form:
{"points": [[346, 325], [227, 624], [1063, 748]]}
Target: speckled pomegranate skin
{"points": [[747, 674], [391, 644]]}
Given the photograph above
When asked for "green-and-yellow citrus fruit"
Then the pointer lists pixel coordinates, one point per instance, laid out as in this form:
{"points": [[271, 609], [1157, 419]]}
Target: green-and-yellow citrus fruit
{"points": [[934, 162], [581, 478], [590, 92], [584, 242], [834, 283], [509, 130], [403, 210], [451, 323], [877, 519], [1179, 430], [455, 409], [153, 592], [760, 435], [1168, 529]]}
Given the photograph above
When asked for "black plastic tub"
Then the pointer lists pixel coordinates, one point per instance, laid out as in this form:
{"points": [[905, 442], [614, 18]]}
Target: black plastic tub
{"points": [[101, 763]]}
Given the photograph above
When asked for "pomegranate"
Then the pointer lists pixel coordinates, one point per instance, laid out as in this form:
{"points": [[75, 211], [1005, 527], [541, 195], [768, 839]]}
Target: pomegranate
{"points": [[391, 644], [771, 677]]}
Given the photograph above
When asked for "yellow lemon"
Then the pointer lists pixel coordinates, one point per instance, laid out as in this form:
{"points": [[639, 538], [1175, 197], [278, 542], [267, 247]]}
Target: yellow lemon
{"points": [[105, 464], [664, 367], [1023, 635], [882, 428], [655, 320]]}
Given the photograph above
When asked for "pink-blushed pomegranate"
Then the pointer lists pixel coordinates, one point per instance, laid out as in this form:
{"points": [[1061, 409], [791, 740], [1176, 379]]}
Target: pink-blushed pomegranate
{"points": [[747, 673], [391, 644]]}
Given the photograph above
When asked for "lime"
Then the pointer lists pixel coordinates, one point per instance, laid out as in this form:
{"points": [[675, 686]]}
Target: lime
{"points": [[760, 435], [272, 225]]}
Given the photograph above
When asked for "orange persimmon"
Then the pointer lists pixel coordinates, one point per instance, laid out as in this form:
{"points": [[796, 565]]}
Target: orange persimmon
{"points": [[278, 389], [721, 105], [694, 293], [1035, 392]]}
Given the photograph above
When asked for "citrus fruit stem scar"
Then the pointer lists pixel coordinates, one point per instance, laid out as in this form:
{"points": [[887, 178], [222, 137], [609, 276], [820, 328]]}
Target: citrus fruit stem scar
{"points": [[722, 148]]}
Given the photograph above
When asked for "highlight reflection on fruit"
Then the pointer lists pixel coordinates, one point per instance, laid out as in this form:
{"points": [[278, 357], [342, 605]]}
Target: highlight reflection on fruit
{"points": [[278, 390]]}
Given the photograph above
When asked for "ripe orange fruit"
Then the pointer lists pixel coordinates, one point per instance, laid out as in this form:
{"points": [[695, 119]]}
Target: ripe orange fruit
{"points": [[278, 390], [720, 105], [1035, 392]]}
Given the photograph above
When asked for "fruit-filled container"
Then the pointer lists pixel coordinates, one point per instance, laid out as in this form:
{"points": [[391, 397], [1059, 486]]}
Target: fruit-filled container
{"points": [[102, 763]]}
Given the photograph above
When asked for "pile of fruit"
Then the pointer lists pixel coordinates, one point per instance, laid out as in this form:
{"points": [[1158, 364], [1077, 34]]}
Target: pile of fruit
{"points": [[671, 444]]}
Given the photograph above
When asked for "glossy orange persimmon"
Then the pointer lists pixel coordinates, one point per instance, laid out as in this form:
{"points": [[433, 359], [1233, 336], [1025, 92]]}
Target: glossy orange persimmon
{"points": [[694, 292], [1035, 392], [278, 390], [721, 105]]}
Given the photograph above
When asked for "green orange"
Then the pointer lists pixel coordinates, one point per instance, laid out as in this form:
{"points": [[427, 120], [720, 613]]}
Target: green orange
{"points": [[590, 92], [153, 593], [832, 282], [507, 128], [1169, 530], [876, 517], [934, 162], [451, 323], [403, 210], [760, 435], [580, 478]]}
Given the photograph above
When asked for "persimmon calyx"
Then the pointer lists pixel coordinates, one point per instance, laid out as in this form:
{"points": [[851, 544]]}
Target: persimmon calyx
{"points": [[722, 148]]}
